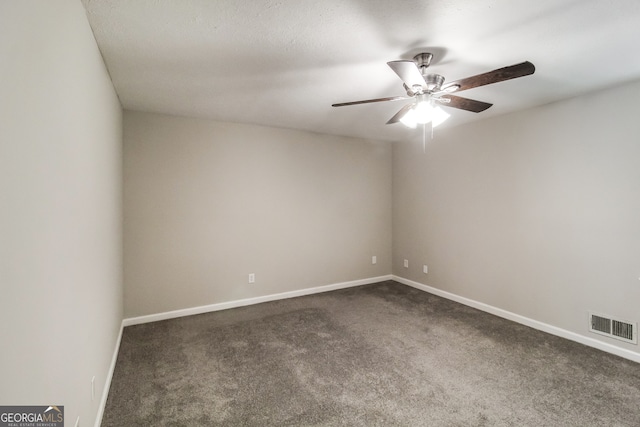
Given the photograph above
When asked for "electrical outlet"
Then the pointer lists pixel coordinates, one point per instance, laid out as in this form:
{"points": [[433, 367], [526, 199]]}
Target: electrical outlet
{"points": [[252, 278], [425, 269], [406, 263], [374, 259]]}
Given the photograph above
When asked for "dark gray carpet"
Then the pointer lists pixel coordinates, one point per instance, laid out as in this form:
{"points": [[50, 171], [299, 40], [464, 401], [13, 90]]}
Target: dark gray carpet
{"points": [[376, 355]]}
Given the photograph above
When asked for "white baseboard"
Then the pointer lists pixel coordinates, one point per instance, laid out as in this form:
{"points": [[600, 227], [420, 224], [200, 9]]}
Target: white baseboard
{"points": [[249, 301], [553, 330], [107, 382]]}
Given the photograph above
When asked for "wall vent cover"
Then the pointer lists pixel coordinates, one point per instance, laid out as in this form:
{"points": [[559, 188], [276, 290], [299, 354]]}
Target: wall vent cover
{"points": [[613, 327]]}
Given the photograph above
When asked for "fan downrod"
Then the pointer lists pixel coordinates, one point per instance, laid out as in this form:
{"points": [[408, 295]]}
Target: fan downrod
{"points": [[434, 81]]}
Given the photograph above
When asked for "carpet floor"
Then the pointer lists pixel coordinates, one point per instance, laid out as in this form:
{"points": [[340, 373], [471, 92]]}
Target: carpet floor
{"points": [[376, 355]]}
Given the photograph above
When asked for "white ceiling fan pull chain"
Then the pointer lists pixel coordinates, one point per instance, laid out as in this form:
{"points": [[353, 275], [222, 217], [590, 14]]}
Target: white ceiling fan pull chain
{"points": [[424, 137]]}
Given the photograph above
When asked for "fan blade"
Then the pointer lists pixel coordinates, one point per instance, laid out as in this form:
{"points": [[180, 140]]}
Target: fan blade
{"points": [[501, 74], [466, 103], [409, 73], [396, 118], [366, 101]]}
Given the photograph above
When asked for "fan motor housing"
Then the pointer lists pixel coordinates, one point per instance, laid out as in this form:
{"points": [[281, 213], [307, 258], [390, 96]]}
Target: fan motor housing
{"points": [[434, 82]]}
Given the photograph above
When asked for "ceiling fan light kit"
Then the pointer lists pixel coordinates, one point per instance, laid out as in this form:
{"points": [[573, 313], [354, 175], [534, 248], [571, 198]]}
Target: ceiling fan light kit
{"points": [[429, 90], [424, 111]]}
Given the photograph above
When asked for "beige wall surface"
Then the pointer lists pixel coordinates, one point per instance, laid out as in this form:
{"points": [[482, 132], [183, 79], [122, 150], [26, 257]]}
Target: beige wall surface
{"points": [[60, 216], [536, 213], [207, 203]]}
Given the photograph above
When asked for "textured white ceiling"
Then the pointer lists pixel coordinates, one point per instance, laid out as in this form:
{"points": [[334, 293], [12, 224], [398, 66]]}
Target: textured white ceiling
{"points": [[284, 62]]}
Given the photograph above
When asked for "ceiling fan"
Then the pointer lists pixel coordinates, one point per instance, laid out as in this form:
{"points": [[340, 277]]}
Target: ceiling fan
{"points": [[429, 90]]}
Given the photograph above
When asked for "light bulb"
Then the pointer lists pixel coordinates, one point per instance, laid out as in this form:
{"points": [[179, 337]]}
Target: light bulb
{"points": [[409, 119], [423, 111], [439, 116]]}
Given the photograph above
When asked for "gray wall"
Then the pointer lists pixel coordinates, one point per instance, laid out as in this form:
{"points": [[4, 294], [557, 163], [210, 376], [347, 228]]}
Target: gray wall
{"points": [[60, 216], [206, 203], [536, 213]]}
